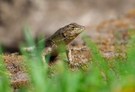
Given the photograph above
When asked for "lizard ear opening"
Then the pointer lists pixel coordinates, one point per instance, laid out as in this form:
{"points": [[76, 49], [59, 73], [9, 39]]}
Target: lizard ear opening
{"points": [[63, 35]]}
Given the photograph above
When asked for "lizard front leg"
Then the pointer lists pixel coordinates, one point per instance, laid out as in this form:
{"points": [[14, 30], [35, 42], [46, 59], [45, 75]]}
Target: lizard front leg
{"points": [[46, 51]]}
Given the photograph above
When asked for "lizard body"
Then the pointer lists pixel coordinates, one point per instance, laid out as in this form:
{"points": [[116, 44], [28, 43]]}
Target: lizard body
{"points": [[64, 36]]}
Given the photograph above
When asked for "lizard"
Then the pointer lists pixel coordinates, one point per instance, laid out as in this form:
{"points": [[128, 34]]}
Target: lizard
{"points": [[64, 35]]}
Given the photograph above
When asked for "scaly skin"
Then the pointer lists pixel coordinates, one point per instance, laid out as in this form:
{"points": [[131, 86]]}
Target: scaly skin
{"points": [[63, 36]]}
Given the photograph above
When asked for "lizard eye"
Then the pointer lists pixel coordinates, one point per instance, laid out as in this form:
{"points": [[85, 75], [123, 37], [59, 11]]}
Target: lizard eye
{"points": [[73, 27]]}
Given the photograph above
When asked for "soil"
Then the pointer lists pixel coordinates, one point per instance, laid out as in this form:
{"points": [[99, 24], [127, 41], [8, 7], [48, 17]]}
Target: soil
{"points": [[111, 37]]}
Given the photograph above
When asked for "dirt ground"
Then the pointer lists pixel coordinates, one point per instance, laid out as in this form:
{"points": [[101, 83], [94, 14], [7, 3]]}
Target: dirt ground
{"points": [[111, 36]]}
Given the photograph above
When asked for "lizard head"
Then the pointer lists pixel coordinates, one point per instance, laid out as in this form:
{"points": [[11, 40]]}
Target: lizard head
{"points": [[71, 31]]}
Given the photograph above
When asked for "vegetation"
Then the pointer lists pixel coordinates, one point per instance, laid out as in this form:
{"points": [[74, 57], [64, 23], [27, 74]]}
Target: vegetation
{"points": [[116, 75]]}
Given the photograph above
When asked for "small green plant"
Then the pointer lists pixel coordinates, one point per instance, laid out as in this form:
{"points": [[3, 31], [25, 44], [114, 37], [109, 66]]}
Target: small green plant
{"points": [[4, 76], [100, 77]]}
